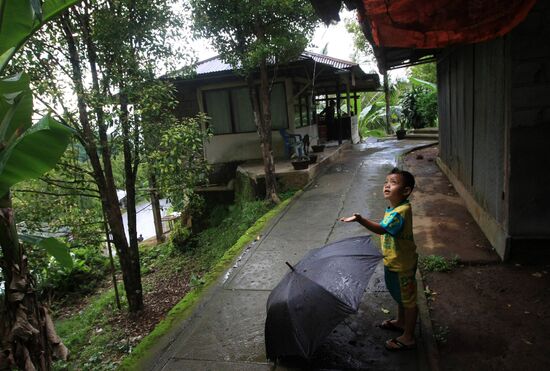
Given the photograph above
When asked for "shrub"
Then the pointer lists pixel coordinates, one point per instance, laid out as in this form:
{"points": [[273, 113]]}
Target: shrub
{"points": [[89, 268], [180, 237], [419, 106]]}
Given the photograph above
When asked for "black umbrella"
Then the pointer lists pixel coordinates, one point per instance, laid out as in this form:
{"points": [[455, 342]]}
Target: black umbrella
{"points": [[317, 294]]}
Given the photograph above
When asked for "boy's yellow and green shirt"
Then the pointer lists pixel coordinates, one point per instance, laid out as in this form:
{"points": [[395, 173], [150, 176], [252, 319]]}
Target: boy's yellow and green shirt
{"points": [[398, 244]]}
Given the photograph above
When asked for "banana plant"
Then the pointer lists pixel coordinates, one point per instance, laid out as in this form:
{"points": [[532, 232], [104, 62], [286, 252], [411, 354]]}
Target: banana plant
{"points": [[27, 336], [372, 118]]}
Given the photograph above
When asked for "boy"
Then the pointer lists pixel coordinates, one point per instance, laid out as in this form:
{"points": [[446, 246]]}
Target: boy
{"points": [[400, 257]]}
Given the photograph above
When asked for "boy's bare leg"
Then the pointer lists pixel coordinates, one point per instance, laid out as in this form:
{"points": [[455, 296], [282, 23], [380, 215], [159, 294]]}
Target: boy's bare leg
{"points": [[410, 323], [400, 321]]}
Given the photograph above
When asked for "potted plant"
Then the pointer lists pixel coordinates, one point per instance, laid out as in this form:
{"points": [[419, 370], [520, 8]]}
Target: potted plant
{"points": [[300, 163], [401, 133], [312, 159], [318, 148]]}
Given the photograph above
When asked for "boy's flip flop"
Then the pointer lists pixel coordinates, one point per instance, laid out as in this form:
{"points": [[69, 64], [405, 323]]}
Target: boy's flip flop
{"points": [[396, 345], [388, 325]]}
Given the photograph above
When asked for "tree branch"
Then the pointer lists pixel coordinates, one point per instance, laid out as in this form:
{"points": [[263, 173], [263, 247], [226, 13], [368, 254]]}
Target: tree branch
{"points": [[55, 194]]}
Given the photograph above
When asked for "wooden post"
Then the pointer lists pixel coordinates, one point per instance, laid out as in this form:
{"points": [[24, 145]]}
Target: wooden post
{"points": [[112, 263], [338, 123], [155, 205], [348, 99], [355, 102], [387, 96]]}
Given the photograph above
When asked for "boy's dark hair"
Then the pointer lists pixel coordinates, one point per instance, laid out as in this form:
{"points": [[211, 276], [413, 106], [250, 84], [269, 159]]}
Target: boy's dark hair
{"points": [[408, 178]]}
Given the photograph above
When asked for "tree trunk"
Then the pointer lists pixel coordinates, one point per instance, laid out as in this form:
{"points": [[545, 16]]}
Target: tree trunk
{"points": [[155, 205], [103, 173], [27, 336], [133, 271], [262, 118]]}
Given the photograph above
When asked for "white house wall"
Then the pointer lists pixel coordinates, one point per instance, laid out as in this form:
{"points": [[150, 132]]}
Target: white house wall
{"points": [[239, 147], [224, 148]]}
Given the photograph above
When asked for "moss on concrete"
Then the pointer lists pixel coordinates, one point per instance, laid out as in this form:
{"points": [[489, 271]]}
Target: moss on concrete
{"points": [[244, 190]]}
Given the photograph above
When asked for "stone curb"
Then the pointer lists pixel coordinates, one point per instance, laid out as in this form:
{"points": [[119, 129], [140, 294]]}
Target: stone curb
{"points": [[431, 353], [430, 360]]}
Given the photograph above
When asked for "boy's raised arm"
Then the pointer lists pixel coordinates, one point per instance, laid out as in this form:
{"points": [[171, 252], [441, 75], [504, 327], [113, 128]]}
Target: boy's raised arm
{"points": [[367, 223]]}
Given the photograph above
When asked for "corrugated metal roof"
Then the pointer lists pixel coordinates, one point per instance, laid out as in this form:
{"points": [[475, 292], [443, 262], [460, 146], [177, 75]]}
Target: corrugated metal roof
{"points": [[215, 64], [325, 59]]}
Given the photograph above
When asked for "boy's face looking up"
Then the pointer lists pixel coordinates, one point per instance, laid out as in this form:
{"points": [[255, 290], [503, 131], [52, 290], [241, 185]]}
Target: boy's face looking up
{"points": [[395, 190]]}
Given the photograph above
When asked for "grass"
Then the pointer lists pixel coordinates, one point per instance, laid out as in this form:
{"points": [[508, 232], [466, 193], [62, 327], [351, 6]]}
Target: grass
{"points": [[184, 308], [88, 335], [441, 334], [436, 263], [94, 344]]}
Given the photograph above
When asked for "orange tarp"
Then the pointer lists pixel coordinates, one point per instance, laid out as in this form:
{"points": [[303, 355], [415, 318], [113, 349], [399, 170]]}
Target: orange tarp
{"points": [[434, 24]]}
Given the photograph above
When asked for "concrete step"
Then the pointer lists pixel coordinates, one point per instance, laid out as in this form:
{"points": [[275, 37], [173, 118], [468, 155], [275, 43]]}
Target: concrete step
{"points": [[422, 136], [424, 131]]}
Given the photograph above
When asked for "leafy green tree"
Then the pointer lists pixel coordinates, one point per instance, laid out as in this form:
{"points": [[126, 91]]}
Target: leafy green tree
{"points": [[27, 336], [425, 71], [362, 50], [372, 118], [174, 150], [419, 104], [249, 35], [109, 52]]}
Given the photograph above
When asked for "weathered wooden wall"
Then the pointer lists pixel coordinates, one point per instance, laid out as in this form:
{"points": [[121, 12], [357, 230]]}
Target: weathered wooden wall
{"points": [[472, 84], [494, 115]]}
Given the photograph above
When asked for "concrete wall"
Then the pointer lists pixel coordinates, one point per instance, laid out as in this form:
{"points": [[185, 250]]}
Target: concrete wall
{"points": [[240, 147]]}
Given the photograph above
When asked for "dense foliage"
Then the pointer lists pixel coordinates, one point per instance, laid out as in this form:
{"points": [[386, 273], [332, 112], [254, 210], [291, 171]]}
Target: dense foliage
{"points": [[419, 106], [27, 150], [109, 54]]}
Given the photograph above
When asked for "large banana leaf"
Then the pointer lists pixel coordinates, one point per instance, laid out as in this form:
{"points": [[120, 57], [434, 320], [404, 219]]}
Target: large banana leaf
{"points": [[15, 106], [34, 153], [53, 246], [19, 19], [418, 82]]}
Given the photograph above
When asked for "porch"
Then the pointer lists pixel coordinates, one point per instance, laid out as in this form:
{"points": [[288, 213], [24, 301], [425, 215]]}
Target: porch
{"points": [[287, 178]]}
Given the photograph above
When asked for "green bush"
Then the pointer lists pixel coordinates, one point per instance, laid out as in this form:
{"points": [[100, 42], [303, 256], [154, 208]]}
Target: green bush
{"points": [[89, 268], [427, 107], [180, 237], [419, 107]]}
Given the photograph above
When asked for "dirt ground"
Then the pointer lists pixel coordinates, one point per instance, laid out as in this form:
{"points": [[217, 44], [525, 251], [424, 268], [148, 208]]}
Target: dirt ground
{"points": [[486, 315]]}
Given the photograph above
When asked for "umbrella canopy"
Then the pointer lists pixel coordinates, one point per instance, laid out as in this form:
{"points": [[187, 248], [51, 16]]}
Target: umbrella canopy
{"points": [[317, 294]]}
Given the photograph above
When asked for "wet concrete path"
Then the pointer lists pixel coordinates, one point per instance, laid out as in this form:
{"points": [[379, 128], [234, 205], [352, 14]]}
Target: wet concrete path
{"points": [[226, 332]]}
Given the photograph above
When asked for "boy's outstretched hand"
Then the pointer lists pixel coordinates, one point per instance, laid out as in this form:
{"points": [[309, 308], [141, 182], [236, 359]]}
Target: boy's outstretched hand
{"points": [[355, 217]]}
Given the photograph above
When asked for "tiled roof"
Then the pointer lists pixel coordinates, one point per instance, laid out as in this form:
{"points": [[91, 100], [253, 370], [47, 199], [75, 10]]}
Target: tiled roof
{"points": [[215, 64]]}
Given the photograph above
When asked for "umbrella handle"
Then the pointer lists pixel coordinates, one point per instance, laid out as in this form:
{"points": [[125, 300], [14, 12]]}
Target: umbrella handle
{"points": [[290, 266]]}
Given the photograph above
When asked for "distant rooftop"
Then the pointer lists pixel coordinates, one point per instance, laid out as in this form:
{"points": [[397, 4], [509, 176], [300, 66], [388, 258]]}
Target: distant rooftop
{"points": [[215, 64]]}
